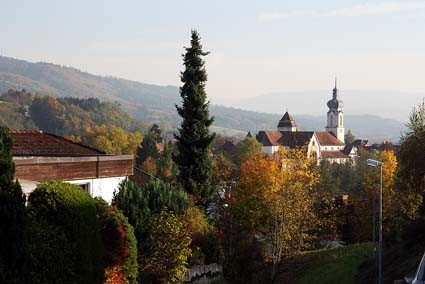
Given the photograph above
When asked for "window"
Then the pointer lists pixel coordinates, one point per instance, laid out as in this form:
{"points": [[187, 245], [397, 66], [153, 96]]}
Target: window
{"points": [[85, 186]]}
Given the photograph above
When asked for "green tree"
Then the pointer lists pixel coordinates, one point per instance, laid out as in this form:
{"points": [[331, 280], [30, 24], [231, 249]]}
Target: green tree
{"points": [[141, 205], [246, 149], [412, 150], [7, 167], [166, 167], [349, 137], [170, 249], [194, 139], [147, 149]]}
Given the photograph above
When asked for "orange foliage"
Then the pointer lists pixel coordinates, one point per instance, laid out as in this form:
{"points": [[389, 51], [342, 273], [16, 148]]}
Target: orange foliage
{"points": [[115, 275]]}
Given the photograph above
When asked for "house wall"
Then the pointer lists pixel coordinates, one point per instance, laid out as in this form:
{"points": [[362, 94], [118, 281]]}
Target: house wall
{"points": [[101, 187], [99, 175], [66, 168]]}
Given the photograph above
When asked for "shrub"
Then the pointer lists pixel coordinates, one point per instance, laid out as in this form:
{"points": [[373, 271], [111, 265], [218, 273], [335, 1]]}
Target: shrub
{"points": [[120, 245], [70, 211]]}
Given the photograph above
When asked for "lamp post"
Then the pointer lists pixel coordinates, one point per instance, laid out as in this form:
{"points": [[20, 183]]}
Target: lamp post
{"points": [[374, 163]]}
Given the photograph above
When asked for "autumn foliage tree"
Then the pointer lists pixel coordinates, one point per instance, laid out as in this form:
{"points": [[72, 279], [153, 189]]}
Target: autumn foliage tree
{"points": [[274, 202], [112, 139]]}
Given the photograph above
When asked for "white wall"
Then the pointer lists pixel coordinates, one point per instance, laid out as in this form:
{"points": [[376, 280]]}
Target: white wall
{"points": [[101, 187], [270, 149]]}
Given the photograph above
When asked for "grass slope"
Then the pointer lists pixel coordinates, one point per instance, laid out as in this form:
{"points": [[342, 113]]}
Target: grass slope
{"points": [[338, 265]]}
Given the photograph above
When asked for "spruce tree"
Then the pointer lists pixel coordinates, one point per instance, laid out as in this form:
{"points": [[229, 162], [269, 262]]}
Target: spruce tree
{"points": [[194, 139], [7, 167], [148, 147]]}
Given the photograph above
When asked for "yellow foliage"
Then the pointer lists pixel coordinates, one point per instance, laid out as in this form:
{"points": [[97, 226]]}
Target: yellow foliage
{"points": [[112, 140], [275, 198]]}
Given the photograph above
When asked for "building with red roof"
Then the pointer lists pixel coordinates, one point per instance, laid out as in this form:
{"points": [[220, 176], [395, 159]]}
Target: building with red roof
{"points": [[323, 145], [41, 156]]}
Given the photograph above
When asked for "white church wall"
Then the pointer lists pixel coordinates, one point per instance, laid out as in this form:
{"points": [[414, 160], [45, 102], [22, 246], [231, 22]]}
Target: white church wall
{"points": [[270, 149]]}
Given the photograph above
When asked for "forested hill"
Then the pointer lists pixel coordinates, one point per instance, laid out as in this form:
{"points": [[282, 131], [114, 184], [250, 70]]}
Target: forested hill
{"points": [[61, 116], [156, 104]]}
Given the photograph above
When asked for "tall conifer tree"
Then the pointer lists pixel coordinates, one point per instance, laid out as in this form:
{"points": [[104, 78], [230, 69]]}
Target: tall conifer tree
{"points": [[7, 167], [194, 139]]}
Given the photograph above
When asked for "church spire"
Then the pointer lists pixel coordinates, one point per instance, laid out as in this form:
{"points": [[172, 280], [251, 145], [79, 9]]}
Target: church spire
{"points": [[335, 115]]}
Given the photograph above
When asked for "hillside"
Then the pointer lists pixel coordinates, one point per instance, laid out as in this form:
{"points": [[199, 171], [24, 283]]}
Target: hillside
{"points": [[61, 116], [155, 104]]}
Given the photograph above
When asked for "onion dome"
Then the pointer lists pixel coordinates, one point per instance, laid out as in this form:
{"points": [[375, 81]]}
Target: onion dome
{"points": [[335, 102]]}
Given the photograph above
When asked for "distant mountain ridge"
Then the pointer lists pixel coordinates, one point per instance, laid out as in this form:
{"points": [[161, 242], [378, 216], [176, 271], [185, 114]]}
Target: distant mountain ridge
{"points": [[155, 104], [388, 104]]}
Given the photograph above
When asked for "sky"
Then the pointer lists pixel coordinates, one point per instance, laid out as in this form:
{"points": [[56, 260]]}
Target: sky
{"points": [[257, 47]]}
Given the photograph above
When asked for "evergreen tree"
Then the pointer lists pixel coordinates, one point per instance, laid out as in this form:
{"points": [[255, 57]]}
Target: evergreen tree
{"points": [[166, 166], [13, 251], [7, 167], [148, 146], [194, 140]]}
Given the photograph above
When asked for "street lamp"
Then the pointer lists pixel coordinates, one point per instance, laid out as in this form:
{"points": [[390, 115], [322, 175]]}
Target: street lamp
{"points": [[374, 163]]}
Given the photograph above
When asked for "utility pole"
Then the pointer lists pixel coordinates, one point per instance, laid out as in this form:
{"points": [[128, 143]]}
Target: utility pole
{"points": [[374, 163]]}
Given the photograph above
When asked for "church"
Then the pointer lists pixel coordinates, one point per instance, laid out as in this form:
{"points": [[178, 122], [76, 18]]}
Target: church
{"points": [[323, 145]]}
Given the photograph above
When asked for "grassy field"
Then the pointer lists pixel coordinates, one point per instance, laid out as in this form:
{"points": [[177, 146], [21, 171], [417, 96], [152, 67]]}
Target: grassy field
{"points": [[338, 265]]}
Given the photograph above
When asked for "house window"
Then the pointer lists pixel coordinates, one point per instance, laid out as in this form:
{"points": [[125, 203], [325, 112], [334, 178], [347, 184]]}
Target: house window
{"points": [[85, 186]]}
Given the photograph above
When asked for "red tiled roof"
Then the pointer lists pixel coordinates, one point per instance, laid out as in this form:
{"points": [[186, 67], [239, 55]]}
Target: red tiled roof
{"points": [[39, 143], [328, 139], [333, 155]]}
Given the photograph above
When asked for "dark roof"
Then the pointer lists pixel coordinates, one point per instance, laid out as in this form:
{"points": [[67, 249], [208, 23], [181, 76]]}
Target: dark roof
{"points": [[347, 149], [285, 138], [287, 121], [360, 142], [334, 155], [296, 138], [39, 143], [328, 139]]}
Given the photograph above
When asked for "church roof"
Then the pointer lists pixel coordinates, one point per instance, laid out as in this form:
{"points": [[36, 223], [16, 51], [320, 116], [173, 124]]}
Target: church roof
{"points": [[290, 139], [328, 139], [333, 155], [287, 121]]}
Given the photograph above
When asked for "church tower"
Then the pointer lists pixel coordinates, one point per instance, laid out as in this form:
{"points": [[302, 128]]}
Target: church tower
{"points": [[335, 122], [287, 123]]}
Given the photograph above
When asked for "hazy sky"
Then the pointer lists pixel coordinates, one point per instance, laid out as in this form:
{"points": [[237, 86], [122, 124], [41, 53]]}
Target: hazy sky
{"points": [[257, 47]]}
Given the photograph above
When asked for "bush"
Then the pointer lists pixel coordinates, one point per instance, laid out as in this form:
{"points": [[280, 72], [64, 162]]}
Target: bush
{"points": [[206, 245], [71, 212], [120, 245], [142, 206]]}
